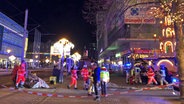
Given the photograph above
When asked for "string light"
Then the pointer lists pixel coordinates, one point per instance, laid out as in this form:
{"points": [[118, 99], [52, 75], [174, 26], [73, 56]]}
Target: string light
{"points": [[166, 9]]}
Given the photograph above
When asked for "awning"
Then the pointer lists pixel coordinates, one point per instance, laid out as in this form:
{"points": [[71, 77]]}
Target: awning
{"points": [[117, 46]]}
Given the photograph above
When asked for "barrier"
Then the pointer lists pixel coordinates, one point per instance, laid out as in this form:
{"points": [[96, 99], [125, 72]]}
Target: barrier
{"points": [[114, 93]]}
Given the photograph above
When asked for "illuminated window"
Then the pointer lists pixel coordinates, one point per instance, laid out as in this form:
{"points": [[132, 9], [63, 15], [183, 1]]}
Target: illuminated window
{"points": [[168, 47]]}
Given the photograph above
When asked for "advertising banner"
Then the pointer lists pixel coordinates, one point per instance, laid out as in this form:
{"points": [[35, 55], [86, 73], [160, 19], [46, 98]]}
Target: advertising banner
{"points": [[138, 15]]}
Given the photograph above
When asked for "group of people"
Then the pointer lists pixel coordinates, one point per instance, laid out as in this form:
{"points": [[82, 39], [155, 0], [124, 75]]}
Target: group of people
{"points": [[93, 77], [18, 74], [148, 75]]}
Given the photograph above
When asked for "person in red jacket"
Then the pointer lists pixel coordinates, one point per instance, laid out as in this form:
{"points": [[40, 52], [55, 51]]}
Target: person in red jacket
{"points": [[73, 78], [85, 76], [151, 76], [20, 75], [14, 74]]}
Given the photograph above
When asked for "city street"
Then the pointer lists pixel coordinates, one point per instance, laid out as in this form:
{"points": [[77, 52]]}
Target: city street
{"points": [[132, 49], [119, 93], [146, 97]]}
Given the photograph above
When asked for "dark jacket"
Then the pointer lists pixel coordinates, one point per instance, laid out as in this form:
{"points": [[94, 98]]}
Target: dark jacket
{"points": [[96, 75], [56, 72]]}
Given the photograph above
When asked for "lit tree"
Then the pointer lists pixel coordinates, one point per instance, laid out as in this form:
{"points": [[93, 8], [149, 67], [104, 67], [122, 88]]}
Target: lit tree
{"points": [[175, 10], [178, 13]]}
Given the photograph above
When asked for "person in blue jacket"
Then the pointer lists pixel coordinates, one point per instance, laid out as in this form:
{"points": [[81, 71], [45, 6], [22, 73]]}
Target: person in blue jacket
{"points": [[96, 79]]}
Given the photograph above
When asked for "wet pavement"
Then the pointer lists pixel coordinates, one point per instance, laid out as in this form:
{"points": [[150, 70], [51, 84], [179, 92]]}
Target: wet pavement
{"points": [[119, 93]]}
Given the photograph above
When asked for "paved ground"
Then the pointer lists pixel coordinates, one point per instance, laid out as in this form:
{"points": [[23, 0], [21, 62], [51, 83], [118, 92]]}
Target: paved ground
{"points": [[119, 93], [147, 97]]}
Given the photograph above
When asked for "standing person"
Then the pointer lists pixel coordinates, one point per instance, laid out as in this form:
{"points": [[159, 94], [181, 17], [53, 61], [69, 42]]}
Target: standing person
{"points": [[14, 74], [91, 86], [56, 73], [151, 76], [163, 74], [23, 65], [96, 79], [20, 75], [167, 73], [137, 72], [85, 76], [104, 77], [127, 75], [73, 78]]}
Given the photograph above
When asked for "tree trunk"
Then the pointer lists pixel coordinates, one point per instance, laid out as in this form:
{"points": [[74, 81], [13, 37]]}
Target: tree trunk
{"points": [[178, 27], [180, 55]]}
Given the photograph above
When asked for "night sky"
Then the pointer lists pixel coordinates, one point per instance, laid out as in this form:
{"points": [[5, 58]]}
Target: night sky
{"points": [[61, 17]]}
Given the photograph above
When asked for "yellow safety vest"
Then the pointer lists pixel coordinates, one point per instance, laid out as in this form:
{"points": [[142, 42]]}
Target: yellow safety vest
{"points": [[104, 76]]}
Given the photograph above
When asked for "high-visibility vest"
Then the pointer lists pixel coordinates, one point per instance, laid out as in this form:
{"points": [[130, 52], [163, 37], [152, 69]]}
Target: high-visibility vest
{"points": [[104, 76]]}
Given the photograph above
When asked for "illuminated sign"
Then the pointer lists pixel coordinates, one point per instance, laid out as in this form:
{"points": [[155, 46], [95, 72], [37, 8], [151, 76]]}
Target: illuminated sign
{"points": [[138, 15], [139, 20], [135, 56], [142, 51]]}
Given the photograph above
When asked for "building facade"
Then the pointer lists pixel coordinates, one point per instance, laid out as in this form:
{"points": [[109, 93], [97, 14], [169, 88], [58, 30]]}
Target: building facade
{"points": [[11, 41], [126, 33]]}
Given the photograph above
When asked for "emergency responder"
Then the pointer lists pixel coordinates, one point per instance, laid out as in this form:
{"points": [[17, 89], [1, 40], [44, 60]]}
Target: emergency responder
{"points": [[104, 78], [85, 76], [73, 78], [151, 75], [21, 75]]}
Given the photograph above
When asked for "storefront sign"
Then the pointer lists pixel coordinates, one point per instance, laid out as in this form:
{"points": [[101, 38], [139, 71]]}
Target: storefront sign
{"points": [[138, 15], [136, 56], [139, 20], [142, 51]]}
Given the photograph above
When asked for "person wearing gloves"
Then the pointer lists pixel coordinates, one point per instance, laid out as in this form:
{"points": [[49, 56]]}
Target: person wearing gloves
{"points": [[104, 77]]}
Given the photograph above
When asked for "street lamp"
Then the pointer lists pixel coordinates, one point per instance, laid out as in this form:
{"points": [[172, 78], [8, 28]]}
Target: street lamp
{"points": [[8, 51]]}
